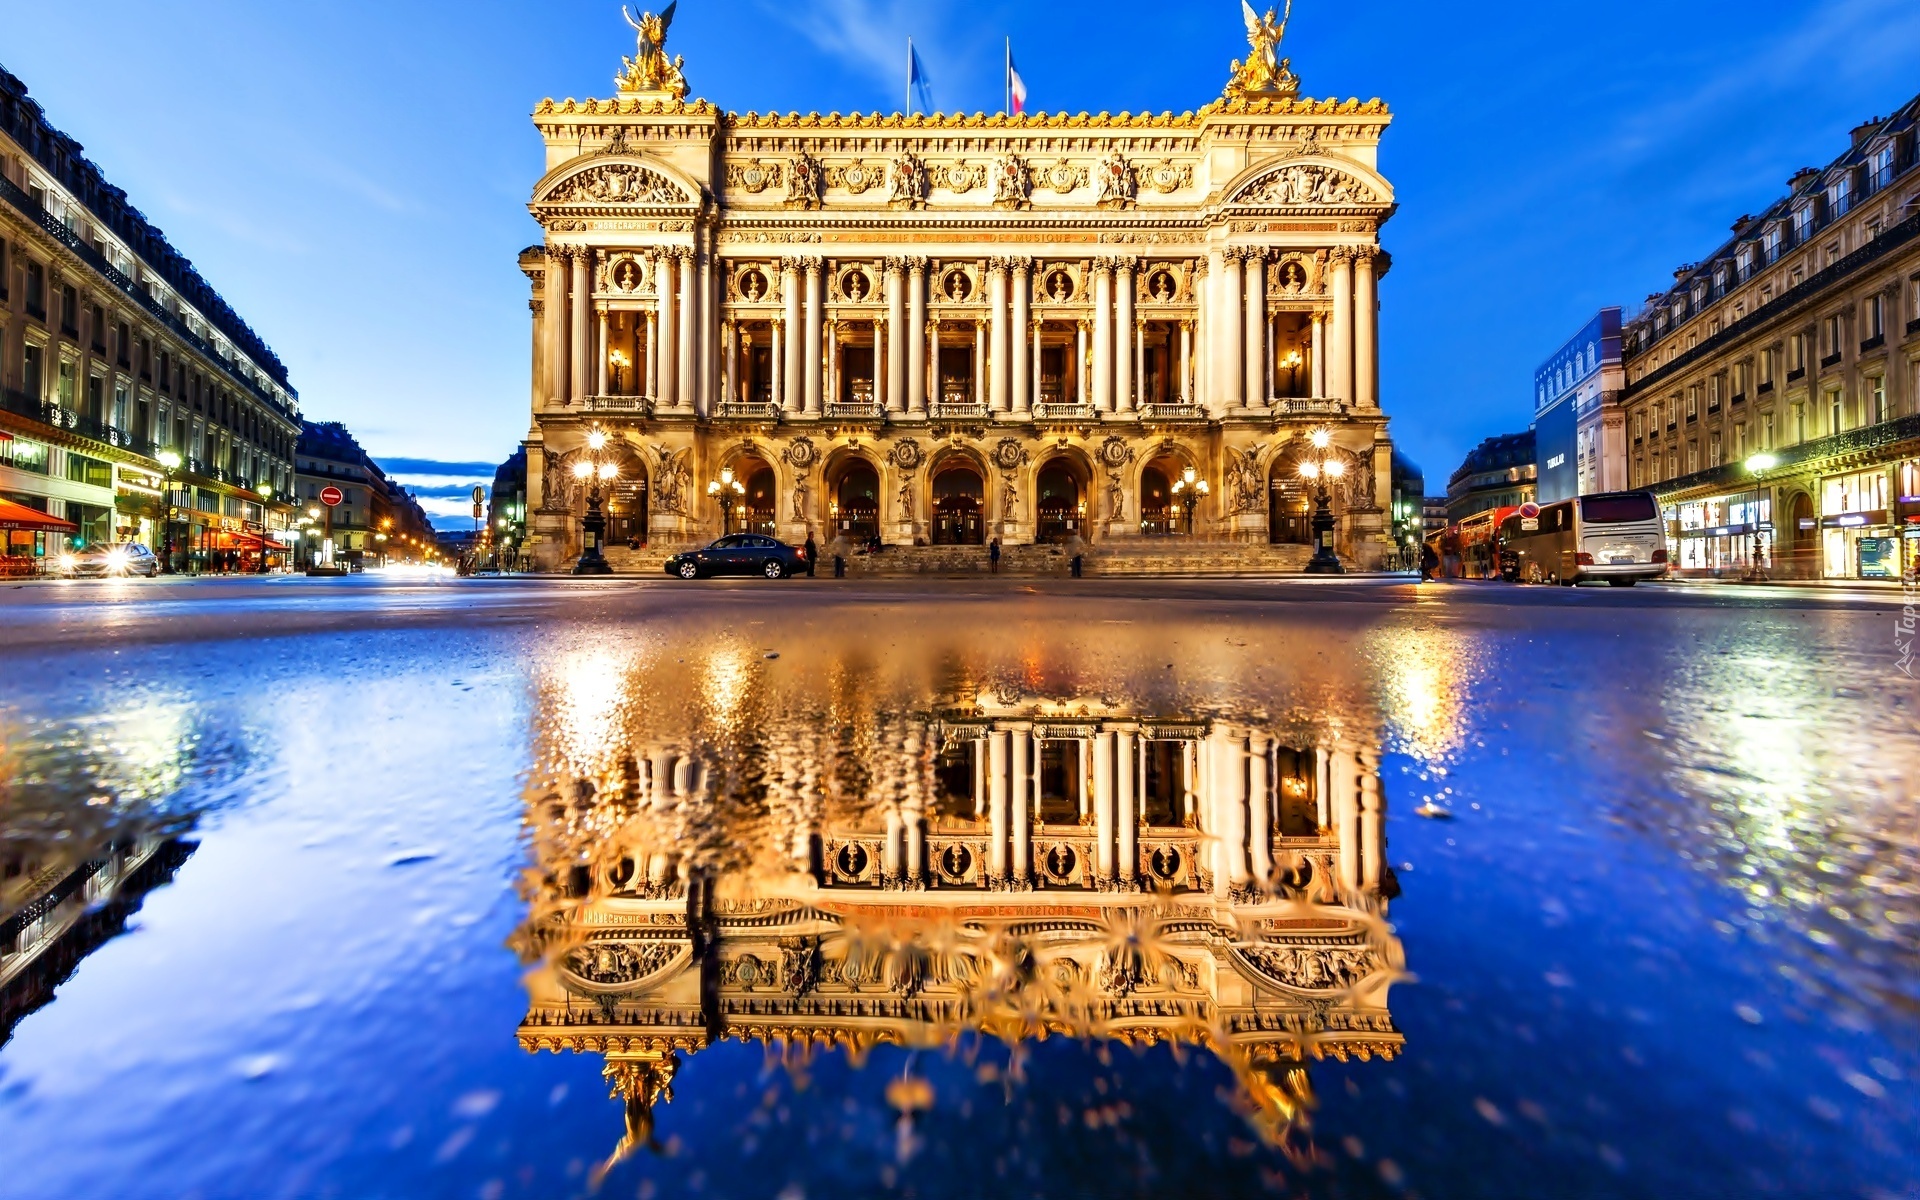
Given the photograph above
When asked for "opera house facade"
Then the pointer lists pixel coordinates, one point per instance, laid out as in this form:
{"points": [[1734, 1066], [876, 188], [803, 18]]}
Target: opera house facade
{"points": [[938, 329]]}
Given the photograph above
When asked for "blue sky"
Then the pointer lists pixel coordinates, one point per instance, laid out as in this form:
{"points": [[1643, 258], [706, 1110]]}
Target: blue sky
{"points": [[353, 176]]}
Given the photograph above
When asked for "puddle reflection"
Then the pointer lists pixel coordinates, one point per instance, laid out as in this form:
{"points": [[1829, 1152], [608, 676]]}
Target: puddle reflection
{"points": [[929, 848]]}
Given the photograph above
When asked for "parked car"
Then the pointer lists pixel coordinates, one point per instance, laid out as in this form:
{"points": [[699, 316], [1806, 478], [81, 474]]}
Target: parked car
{"points": [[740, 554], [110, 558]]}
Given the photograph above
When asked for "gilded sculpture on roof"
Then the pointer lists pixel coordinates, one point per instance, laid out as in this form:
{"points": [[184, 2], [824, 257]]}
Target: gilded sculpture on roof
{"points": [[649, 71], [1264, 74]]}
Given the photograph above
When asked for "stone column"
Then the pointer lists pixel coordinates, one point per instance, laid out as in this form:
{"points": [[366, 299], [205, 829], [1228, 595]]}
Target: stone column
{"points": [[998, 802], [811, 349], [1140, 363], [776, 360], [582, 304], [1125, 336], [600, 358], [897, 338], [707, 377], [1103, 335], [1033, 367], [667, 338], [1258, 392], [556, 386], [1340, 347], [728, 390], [1019, 815], [687, 370], [653, 357], [1260, 808], [916, 338], [998, 389], [1019, 370], [789, 366], [979, 361], [1319, 364], [1079, 366], [1211, 335], [892, 849], [1366, 390], [1231, 385], [1186, 362], [1126, 817], [879, 380], [1373, 842], [1103, 805]]}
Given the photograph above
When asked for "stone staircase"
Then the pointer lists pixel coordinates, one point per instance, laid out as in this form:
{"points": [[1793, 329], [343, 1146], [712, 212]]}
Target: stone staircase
{"points": [[1120, 559]]}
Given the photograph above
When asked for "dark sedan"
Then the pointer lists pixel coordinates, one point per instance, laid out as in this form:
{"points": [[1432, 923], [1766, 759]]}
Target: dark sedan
{"points": [[740, 554]]}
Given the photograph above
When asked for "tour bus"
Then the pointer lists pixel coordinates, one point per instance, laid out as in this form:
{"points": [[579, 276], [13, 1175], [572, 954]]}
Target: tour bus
{"points": [[1612, 536], [1479, 539]]}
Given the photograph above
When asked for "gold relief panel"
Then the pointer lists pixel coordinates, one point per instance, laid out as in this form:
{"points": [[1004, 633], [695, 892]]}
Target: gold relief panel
{"points": [[753, 283], [754, 177], [960, 177], [856, 177], [1059, 283], [1061, 177], [1162, 283], [626, 275]]}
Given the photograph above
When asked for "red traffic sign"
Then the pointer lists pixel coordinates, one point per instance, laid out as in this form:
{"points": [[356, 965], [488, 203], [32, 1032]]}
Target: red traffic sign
{"points": [[330, 496], [1529, 509]]}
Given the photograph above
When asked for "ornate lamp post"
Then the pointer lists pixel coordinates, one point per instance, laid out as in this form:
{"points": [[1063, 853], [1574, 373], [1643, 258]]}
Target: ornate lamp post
{"points": [[593, 471], [619, 360], [266, 494], [1757, 465], [728, 491], [1319, 469], [169, 462], [1194, 489]]}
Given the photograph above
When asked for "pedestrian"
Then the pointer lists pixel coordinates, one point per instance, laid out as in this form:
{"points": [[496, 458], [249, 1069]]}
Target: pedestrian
{"points": [[993, 556], [1428, 561], [813, 552], [1078, 558]]}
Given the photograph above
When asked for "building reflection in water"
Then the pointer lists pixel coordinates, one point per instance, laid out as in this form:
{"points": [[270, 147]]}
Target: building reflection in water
{"points": [[845, 853]]}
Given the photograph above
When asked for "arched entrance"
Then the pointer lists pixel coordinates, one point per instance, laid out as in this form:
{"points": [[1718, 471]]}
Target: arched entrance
{"points": [[1289, 506], [855, 500], [756, 511], [959, 512], [1167, 496], [1059, 501], [627, 507], [1804, 534]]}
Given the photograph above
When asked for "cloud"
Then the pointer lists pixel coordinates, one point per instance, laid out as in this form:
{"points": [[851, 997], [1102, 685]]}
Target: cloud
{"points": [[867, 35], [397, 465]]}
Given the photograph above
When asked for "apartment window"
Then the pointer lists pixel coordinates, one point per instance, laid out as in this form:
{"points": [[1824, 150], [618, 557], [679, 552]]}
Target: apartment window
{"points": [[1802, 224], [96, 398], [1770, 243], [1830, 336], [1693, 455], [97, 329], [1693, 402], [1880, 169], [1740, 440], [90, 471], [70, 311], [120, 404], [63, 388], [1797, 352], [32, 364], [1766, 431], [1834, 415], [37, 290], [1877, 399], [1766, 367], [1799, 423], [1840, 196], [1713, 449], [1874, 311]]}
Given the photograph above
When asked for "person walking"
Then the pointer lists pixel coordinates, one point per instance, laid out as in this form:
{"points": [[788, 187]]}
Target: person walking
{"points": [[1428, 561], [993, 556], [813, 552]]}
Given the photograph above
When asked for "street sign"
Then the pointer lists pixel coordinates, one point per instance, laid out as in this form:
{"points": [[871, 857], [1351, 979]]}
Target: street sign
{"points": [[479, 495], [330, 496], [477, 514], [1529, 509]]}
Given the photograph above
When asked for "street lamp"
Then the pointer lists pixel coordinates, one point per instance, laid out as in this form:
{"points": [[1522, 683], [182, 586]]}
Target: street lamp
{"points": [[266, 495], [1757, 465], [594, 471], [728, 491], [169, 462], [1195, 489], [1318, 469], [619, 360]]}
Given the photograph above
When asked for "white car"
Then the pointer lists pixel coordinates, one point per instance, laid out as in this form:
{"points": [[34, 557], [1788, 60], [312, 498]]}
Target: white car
{"points": [[110, 558]]}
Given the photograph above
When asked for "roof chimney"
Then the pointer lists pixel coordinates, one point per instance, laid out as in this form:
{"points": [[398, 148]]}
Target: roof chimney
{"points": [[1862, 132], [1801, 177]]}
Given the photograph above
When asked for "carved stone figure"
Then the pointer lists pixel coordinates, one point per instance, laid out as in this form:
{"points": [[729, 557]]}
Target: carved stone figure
{"points": [[906, 454], [1249, 485], [1115, 180], [1012, 183], [909, 180], [1009, 498], [613, 963], [804, 182], [1116, 497], [906, 500], [1306, 184], [801, 453], [1009, 455], [1114, 452], [802, 494], [618, 183], [1264, 75], [648, 71], [669, 495]]}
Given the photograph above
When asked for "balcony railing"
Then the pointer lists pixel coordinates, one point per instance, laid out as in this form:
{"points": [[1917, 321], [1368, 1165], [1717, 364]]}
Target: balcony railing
{"points": [[748, 410], [957, 411], [628, 405], [1063, 412], [1854, 441], [1177, 411], [855, 411], [25, 202], [71, 421], [1308, 406]]}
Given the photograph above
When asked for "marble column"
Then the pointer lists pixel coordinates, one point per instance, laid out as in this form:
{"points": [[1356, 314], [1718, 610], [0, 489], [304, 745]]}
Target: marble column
{"points": [[811, 348], [1103, 805], [1211, 335], [1366, 391], [581, 307], [898, 339], [1080, 395], [706, 374], [600, 358], [1260, 808], [1231, 385], [1125, 336], [557, 389], [1103, 335], [653, 357], [999, 803], [879, 379], [1126, 818], [998, 389], [1033, 367], [1020, 371], [979, 361], [792, 376], [916, 337], [728, 392], [1019, 814], [667, 339], [1255, 287], [1319, 364], [1340, 341], [893, 847], [1186, 362], [1140, 363], [686, 371]]}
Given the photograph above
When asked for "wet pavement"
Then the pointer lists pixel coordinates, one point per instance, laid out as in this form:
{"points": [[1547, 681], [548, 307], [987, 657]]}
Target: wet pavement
{"points": [[488, 888]]}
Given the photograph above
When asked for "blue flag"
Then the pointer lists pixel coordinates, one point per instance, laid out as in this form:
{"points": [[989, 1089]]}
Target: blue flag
{"points": [[919, 86]]}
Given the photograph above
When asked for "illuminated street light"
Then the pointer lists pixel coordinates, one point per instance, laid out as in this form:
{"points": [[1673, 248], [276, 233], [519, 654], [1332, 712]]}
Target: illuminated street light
{"points": [[169, 462], [1319, 469]]}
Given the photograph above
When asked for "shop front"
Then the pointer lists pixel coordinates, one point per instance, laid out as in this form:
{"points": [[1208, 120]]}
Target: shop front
{"points": [[1858, 539], [1907, 517], [1721, 535], [30, 539]]}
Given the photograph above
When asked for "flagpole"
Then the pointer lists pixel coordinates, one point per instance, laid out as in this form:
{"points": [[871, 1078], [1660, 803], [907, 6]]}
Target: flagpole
{"points": [[909, 108], [1008, 80]]}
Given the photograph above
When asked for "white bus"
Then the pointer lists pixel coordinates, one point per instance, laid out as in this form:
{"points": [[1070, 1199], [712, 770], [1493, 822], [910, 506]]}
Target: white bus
{"points": [[1614, 537]]}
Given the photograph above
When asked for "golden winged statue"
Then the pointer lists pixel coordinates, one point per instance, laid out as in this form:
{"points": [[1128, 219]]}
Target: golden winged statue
{"points": [[1264, 75], [649, 71]]}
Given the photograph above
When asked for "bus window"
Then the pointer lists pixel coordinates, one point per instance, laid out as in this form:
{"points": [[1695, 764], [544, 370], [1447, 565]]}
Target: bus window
{"points": [[1630, 506]]}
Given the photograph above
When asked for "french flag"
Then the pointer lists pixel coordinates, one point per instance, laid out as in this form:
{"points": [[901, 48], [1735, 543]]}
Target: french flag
{"points": [[1016, 86]]}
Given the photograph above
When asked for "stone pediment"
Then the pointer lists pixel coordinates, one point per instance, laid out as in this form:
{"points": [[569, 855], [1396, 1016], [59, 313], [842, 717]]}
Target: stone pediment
{"points": [[619, 182], [1308, 183]]}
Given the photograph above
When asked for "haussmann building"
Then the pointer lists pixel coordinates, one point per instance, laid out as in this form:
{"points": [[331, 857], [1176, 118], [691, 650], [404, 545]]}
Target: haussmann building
{"points": [[941, 329]]}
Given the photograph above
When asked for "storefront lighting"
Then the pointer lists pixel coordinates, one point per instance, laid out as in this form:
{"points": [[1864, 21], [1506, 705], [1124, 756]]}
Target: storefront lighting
{"points": [[168, 459], [1761, 462]]}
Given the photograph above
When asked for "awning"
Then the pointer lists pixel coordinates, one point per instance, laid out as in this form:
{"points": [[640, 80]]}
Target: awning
{"points": [[19, 516]]}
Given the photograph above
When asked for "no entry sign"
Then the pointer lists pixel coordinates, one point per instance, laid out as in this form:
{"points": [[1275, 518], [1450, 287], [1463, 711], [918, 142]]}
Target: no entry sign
{"points": [[330, 496]]}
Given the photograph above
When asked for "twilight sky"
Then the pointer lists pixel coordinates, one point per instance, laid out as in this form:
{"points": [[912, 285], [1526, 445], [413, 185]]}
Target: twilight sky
{"points": [[353, 176]]}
